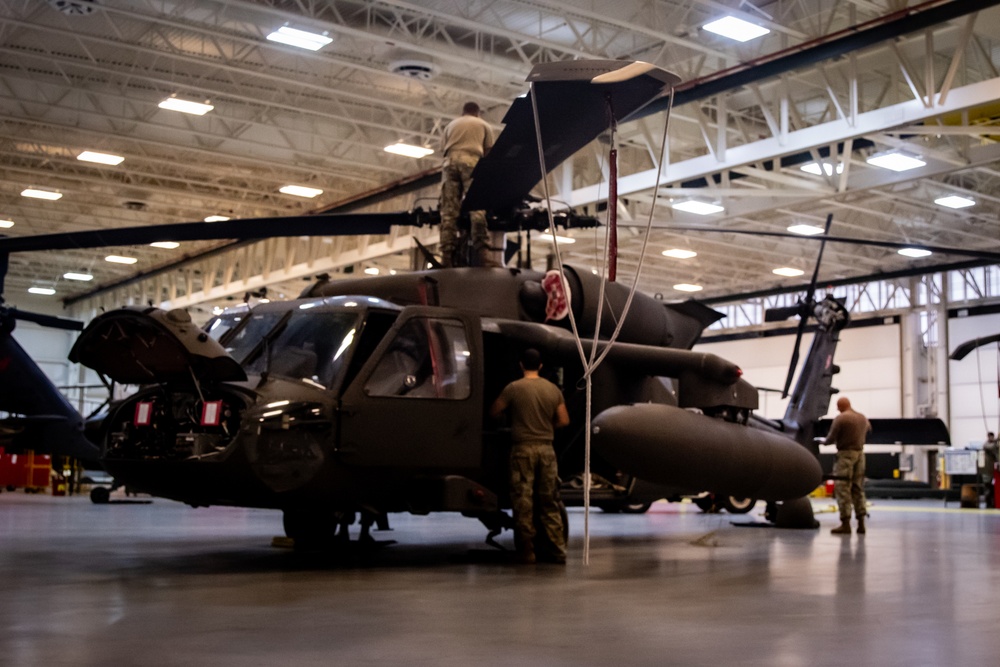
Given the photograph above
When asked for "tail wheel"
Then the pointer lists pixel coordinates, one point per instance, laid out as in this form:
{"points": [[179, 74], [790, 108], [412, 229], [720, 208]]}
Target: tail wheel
{"points": [[735, 505], [706, 504]]}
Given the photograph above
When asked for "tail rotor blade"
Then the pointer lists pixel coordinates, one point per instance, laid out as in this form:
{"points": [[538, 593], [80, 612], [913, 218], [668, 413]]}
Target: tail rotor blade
{"points": [[806, 310]]}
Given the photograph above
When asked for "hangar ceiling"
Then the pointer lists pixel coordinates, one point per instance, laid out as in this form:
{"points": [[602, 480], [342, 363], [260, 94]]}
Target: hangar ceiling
{"points": [[80, 75]]}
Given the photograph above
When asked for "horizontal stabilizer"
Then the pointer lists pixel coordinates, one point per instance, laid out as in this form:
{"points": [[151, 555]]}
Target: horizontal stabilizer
{"points": [[917, 431]]}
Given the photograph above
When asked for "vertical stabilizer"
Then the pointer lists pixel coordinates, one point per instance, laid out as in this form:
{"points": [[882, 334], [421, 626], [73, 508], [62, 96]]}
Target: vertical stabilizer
{"points": [[810, 399]]}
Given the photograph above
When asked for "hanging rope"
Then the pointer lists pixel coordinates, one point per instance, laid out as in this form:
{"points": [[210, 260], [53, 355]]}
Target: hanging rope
{"points": [[591, 364]]}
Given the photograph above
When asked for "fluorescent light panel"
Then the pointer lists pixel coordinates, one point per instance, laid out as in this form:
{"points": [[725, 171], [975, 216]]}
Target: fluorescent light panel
{"points": [[828, 169], [679, 253], [299, 38], [118, 259], [184, 106], [914, 252], [896, 161], [685, 287], [408, 150], [735, 28], [47, 291], [83, 277], [788, 271], [41, 194], [100, 158], [166, 245], [372, 271], [217, 218], [300, 191], [955, 201], [6, 224], [805, 230], [697, 207]]}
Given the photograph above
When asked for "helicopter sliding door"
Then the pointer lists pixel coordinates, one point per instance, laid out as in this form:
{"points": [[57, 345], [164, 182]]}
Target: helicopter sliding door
{"points": [[416, 404]]}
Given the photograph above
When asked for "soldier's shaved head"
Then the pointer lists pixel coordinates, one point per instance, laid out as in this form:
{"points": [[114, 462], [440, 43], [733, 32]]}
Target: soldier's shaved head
{"points": [[843, 404]]}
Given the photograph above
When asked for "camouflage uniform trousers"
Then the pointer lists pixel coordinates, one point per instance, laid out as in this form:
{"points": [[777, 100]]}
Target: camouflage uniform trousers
{"points": [[534, 493], [849, 486], [456, 179]]}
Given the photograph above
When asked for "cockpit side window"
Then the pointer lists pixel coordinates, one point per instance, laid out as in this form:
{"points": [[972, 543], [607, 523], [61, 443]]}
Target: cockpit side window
{"points": [[429, 358]]}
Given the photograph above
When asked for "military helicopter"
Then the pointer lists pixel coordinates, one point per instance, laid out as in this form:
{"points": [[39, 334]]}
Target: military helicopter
{"points": [[369, 396]]}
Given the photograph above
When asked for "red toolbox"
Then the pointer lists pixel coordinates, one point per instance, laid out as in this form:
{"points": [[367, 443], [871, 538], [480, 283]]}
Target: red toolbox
{"points": [[24, 470]]}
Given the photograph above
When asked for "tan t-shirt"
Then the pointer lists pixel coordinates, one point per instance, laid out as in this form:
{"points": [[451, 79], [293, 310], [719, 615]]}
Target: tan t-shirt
{"points": [[532, 404], [467, 134], [848, 430]]}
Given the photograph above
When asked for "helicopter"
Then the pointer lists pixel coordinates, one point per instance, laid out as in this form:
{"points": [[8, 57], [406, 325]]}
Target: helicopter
{"points": [[368, 396]]}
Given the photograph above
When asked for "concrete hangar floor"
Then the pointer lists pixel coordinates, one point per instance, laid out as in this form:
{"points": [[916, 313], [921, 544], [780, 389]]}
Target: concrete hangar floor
{"points": [[164, 584]]}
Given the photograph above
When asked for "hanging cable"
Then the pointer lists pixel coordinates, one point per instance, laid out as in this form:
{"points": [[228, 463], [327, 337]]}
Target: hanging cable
{"points": [[591, 364]]}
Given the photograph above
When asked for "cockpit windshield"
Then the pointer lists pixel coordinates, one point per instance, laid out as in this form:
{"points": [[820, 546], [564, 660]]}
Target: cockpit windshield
{"points": [[311, 347], [249, 336], [225, 322]]}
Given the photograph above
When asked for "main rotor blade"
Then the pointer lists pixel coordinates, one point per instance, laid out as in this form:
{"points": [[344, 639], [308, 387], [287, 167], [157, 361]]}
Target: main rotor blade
{"points": [[345, 224], [896, 245], [968, 346], [47, 320]]}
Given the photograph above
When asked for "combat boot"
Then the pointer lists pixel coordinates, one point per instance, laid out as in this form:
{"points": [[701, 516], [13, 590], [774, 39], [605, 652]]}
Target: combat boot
{"points": [[861, 525], [843, 529]]}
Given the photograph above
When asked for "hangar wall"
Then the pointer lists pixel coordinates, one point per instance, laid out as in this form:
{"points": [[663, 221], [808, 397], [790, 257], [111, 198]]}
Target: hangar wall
{"points": [[869, 360], [974, 381]]}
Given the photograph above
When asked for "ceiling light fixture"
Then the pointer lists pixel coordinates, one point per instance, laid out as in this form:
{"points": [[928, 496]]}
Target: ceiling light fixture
{"points": [[685, 287], [217, 218], [896, 161], [47, 291], [805, 230], [300, 191], [41, 194], [300, 38], [408, 150], [83, 277], [372, 270], [697, 206], [735, 28], [185, 106], [679, 253], [914, 252], [955, 201], [788, 271], [100, 158], [827, 168], [166, 245], [6, 224], [118, 259]]}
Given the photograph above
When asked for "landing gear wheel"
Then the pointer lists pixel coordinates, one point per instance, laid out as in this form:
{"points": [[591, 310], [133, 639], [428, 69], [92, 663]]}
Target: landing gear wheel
{"points": [[706, 504], [636, 508], [100, 495], [735, 505]]}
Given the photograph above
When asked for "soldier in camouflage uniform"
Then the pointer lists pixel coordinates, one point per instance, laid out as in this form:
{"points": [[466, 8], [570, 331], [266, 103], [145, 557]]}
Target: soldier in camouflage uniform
{"points": [[466, 139], [536, 409], [848, 431]]}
